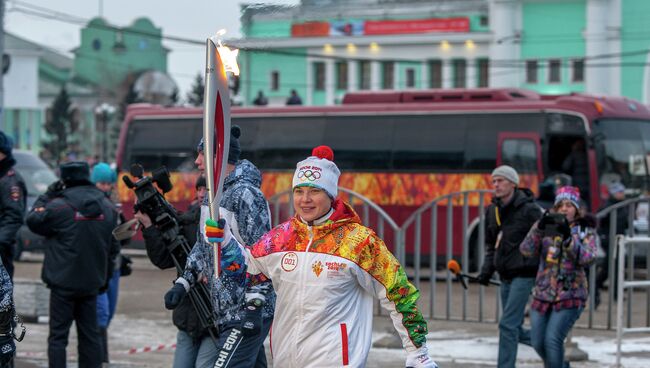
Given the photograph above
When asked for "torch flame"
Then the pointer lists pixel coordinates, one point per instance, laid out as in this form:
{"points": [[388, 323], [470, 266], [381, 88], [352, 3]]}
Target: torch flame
{"points": [[228, 55]]}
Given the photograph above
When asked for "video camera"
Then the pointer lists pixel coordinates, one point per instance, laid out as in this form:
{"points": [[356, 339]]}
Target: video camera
{"points": [[149, 199], [553, 224]]}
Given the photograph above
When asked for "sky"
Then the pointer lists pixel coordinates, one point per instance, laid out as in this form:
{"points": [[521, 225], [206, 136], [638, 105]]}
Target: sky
{"points": [[194, 19]]}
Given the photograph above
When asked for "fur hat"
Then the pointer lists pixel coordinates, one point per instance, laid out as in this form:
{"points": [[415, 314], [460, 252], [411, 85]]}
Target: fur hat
{"points": [[571, 194], [75, 173], [6, 143], [318, 171], [507, 172]]}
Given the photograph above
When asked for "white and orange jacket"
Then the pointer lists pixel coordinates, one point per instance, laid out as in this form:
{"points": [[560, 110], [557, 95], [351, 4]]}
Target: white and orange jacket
{"points": [[326, 277]]}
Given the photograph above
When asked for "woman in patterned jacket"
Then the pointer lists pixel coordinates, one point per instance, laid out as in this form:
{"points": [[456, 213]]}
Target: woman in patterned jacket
{"points": [[565, 243], [327, 269]]}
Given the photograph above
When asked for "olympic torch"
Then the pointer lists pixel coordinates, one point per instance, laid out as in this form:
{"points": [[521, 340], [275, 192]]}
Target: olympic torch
{"points": [[216, 134]]}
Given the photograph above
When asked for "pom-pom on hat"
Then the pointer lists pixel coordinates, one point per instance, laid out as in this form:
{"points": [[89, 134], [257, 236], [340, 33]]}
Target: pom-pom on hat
{"points": [[102, 173], [318, 171], [571, 194]]}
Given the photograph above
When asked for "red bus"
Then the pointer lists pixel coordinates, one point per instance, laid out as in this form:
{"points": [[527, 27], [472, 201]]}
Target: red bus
{"points": [[402, 149]]}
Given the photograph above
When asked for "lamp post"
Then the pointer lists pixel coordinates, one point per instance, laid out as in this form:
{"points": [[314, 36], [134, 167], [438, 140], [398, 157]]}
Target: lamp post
{"points": [[105, 111]]}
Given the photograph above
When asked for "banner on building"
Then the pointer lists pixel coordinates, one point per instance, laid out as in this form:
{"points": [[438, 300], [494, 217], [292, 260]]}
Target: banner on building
{"points": [[310, 29], [387, 27], [346, 28]]}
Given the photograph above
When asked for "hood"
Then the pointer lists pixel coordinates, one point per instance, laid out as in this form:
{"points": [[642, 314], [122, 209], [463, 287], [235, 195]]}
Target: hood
{"points": [[86, 199], [521, 196], [343, 214], [244, 171]]}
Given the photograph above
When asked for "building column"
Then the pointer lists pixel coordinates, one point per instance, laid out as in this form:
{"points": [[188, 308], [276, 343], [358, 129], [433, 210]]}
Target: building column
{"points": [[329, 82], [375, 76], [471, 73], [353, 76], [596, 79], [424, 75], [310, 82], [614, 46], [447, 74], [504, 19]]}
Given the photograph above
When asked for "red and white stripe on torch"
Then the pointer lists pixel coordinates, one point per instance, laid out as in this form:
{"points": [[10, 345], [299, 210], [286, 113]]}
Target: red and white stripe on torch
{"points": [[216, 131]]}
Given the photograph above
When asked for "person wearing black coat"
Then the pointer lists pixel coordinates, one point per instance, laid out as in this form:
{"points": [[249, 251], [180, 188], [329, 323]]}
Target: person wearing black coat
{"points": [[77, 220], [184, 316], [507, 221], [13, 194]]}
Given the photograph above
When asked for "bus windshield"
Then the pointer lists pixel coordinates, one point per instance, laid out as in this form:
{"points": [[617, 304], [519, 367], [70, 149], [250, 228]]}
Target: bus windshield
{"points": [[623, 149]]}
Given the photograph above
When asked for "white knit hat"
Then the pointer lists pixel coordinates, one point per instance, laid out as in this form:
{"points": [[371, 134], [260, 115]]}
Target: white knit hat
{"points": [[507, 172], [318, 171]]}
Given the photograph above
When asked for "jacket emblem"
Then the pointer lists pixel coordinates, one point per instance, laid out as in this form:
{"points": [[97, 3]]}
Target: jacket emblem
{"points": [[15, 193], [289, 261], [317, 267]]}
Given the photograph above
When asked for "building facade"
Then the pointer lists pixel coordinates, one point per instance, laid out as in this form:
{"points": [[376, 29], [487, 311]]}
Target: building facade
{"points": [[109, 62], [324, 48]]}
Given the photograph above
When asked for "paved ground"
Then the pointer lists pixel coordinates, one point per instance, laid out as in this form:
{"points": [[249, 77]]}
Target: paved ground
{"points": [[142, 321]]}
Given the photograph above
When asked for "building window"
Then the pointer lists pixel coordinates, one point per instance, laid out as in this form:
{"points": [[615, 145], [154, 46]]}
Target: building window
{"points": [[484, 21], [275, 80], [342, 75], [554, 71], [531, 71], [435, 73], [460, 73], [410, 78], [388, 75], [319, 75], [483, 71], [364, 75], [578, 70]]}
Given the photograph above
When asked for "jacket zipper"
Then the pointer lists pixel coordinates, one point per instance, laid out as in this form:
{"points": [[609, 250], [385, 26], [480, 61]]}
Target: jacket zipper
{"points": [[301, 287]]}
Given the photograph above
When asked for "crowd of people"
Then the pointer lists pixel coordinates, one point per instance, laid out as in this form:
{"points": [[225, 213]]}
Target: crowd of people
{"points": [[314, 278]]}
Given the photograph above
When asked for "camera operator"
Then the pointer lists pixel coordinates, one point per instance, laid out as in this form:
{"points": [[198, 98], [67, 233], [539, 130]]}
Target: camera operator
{"points": [[565, 244], [77, 220], [184, 317]]}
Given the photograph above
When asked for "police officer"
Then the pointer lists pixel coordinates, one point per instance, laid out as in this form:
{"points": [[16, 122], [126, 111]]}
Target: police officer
{"points": [[77, 220], [12, 203]]}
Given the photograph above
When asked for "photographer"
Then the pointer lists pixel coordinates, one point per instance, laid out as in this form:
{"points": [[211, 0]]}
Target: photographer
{"points": [[184, 317], [77, 221], [565, 244]]}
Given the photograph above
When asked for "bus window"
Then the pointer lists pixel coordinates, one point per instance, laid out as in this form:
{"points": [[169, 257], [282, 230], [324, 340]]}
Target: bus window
{"points": [[521, 151], [360, 143], [625, 148], [434, 142], [170, 142]]}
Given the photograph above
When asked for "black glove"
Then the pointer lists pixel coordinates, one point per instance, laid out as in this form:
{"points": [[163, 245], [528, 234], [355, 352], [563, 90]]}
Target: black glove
{"points": [[252, 322], [484, 279], [174, 296], [7, 349], [547, 219], [7, 344], [55, 189], [565, 229], [125, 265]]}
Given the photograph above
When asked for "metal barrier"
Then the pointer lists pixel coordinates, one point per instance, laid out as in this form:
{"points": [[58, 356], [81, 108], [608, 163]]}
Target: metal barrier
{"points": [[449, 205], [629, 284], [631, 231], [427, 235]]}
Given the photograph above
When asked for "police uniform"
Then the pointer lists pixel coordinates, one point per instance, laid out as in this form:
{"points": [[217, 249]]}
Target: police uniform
{"points": [[12, 210]]}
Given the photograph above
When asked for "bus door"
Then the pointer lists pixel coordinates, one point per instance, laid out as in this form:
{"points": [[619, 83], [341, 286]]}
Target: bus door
{"points": [[522, 151]]}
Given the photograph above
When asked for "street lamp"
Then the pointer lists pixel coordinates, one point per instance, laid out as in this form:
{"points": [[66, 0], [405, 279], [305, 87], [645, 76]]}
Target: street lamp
{"points": [[105, 111]]}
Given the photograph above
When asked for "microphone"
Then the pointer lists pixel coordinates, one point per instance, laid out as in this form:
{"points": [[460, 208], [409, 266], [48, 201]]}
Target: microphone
{"points": [[454, 268]]}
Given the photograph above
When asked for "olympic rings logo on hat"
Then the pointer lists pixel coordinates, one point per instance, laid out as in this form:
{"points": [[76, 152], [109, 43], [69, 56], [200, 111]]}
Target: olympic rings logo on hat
{"points": [[310, 175]]}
